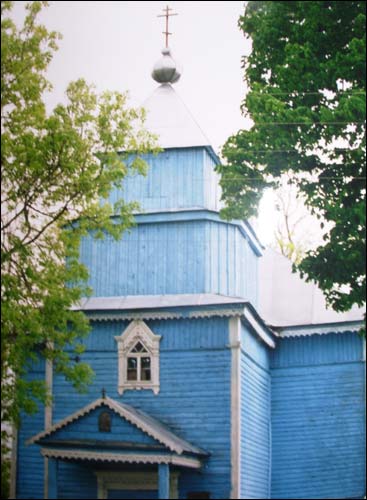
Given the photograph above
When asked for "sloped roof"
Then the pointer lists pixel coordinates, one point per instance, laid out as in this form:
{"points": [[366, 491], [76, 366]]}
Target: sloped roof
{"points": [[129, 302], [285, 299], [170, 119], [141, 420]]}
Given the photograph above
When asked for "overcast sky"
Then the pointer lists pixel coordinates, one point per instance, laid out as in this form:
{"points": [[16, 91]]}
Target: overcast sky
{"points": [[115, 45]]}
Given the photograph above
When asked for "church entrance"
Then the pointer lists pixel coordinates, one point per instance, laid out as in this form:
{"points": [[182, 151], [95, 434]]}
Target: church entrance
{"points": [[133, 485]]}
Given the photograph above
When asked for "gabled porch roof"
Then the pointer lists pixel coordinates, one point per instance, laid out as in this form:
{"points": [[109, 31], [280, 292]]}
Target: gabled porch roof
{"points": [[161, 445]]}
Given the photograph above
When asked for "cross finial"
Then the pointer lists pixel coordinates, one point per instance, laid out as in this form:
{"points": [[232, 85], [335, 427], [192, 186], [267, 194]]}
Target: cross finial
{"points": [[167, 14], [103, 393]]}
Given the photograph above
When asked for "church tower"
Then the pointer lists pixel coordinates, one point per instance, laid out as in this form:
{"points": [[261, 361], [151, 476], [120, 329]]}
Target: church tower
{"points": [[180, 245]]}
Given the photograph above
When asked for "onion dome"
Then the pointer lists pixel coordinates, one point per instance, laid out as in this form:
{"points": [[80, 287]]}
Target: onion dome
{"points": [[166, 70]]}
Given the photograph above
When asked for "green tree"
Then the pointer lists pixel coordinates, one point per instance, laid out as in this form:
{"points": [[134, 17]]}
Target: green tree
{"points": [[56, 169], [306, 78]]}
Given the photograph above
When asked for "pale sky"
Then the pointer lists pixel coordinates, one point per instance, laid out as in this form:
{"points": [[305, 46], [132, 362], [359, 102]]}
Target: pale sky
{"points": [[114, 45]]}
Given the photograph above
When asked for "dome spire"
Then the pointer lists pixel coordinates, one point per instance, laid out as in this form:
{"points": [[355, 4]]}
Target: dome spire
{"points": [[166, 69]]}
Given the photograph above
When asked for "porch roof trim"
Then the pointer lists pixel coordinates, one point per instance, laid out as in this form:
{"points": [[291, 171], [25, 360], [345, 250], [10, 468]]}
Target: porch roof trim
{"points": [[140, 419], [137, 458]]}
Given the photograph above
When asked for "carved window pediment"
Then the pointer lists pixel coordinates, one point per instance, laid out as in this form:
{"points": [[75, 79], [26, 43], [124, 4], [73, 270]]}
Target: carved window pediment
{"points": [[138, 358]]}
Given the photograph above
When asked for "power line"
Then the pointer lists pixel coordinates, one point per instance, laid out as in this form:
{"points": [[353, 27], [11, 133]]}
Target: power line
{"points": [[310, 123], [296, 93], [295, 151], [205, 178]]}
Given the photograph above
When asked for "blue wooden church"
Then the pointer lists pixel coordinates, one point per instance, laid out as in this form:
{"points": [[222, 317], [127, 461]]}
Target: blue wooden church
{"points": [[223, 374]]}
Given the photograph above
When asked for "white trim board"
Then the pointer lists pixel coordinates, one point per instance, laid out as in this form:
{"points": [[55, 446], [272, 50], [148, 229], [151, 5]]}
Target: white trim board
{"points": [[235, 345], [323, 329]]}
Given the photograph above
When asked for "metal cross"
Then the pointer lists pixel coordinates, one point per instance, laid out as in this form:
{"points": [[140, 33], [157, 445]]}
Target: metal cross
{"points": [[167, 15]]}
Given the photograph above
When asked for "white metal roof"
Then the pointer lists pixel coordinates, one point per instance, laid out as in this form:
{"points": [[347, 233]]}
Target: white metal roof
{"points": [[286, 299], [129, 302], [170, 119]]}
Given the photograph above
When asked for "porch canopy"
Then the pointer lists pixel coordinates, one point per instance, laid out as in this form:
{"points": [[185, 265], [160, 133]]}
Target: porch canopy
{"points": [[107, 431]]}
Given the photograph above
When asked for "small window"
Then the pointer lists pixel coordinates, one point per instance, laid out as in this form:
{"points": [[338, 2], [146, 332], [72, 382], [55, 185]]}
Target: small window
{"points": [[138, 358], [104, 422], [138, 363], [139, 348]]}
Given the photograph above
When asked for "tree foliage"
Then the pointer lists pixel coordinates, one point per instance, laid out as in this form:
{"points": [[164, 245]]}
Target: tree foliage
{"points": [[306, 77], [57, 167]]}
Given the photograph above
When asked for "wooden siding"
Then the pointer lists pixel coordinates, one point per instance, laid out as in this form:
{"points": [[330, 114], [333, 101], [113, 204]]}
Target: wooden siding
{"points": [[318, 417], [30, 463], [76, 481], [87, 428], [198, 256], [255, 418], [212, 190], [152, 259], [194, 397], [176, 179]]}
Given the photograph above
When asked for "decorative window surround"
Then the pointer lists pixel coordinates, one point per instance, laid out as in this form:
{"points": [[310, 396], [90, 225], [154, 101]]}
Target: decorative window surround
{"points": [[136, 332]]}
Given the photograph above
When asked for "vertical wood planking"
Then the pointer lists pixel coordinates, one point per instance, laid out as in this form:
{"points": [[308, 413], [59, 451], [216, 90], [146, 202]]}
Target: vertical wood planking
{"points": [[255, 418], [318, 410], [194, 398]]}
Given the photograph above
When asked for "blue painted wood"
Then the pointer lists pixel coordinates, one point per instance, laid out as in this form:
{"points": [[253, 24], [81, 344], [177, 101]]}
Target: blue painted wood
{"points": [[317, 350], [255, 417], [318, 417], [195, 368], [212, 191], [52, 478], [30, 463], [207, 256], [86, 427], [176, 179], [77, 481], [163, 481]]}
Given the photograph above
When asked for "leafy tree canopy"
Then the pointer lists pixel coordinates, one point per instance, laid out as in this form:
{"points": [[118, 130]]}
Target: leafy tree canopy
{"points": [[57, 167], [306, 77]]}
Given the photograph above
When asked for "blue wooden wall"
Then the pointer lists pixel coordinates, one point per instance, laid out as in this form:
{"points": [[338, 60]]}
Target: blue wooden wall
{"points": [[30, 463], [318, 417], [176, 179], [78, 481], [173, 257], [194, 397], [87, 428], [182, 233], [212, 190], [255, 417]]}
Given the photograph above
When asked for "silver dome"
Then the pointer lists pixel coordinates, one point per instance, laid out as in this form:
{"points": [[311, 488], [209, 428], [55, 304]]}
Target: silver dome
{"points": [[166, 69]]}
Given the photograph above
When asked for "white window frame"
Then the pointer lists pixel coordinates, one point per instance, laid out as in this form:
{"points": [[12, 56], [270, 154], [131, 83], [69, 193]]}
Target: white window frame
{"points": [[138, 331]]}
